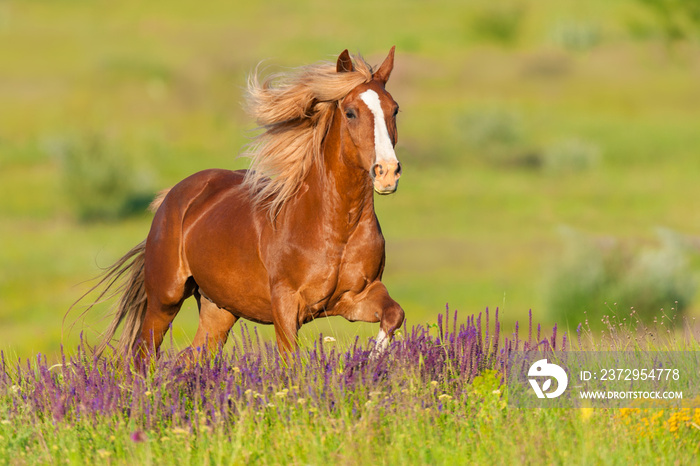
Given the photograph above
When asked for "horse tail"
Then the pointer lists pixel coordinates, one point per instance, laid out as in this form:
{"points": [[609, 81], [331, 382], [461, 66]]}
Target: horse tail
{"points": [[155, 205], [126, 277]]}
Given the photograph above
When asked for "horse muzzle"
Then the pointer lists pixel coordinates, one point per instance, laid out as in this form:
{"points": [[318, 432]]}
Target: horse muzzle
{"points": [[385, 176]]}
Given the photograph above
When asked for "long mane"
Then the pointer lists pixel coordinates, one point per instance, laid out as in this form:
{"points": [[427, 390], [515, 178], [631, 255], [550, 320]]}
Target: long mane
{"points": [[295, 111]]}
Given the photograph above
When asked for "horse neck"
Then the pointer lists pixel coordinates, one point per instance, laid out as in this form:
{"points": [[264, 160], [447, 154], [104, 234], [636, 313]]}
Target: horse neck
{"points": [[343, 191]]}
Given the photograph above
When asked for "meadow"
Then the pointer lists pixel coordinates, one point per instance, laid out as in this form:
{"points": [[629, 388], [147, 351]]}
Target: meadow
{"points": [[517, 123], [436, 396], [550, 154]]}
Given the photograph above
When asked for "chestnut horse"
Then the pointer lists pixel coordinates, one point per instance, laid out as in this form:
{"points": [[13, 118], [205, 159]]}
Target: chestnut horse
{"points": [[292, 239]]}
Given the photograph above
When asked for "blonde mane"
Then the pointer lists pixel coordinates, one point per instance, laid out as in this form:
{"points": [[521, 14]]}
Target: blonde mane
{"points": [[295, 111]]}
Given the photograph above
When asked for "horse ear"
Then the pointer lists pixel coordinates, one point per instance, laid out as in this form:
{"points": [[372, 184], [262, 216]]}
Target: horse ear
{"points": [[344, 64], [382, 74]]}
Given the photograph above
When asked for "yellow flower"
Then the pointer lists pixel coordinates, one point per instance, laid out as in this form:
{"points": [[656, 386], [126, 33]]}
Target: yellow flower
{"points": [[444, 396], [586, 413]]}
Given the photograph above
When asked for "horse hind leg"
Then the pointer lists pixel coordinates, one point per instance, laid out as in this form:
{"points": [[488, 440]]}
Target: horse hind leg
{"points": [[168, 284], [212, 331], [160, 313], [214, 324]]}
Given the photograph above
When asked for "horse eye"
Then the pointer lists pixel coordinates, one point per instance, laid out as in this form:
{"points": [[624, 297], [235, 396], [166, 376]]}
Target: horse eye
{"points": [[396, 112], [350, 114]]}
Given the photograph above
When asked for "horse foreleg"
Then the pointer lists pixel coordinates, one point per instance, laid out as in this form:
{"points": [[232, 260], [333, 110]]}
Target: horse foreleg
{"points": [[374, 305], [285, 311]]}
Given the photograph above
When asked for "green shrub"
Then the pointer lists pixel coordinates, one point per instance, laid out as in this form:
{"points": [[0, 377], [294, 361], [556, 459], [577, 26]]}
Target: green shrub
{"points": [[571, 155], [100, 181], [673, 19], [500, 24], [592, 278], [576, 35], [497, 137]]}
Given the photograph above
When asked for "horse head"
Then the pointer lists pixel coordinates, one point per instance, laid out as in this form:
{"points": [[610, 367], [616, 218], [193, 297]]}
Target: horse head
{"points": [[369, 119]]}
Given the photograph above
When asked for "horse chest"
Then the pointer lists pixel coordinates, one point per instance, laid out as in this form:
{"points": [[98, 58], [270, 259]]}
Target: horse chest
{"points": [[346, 270]]}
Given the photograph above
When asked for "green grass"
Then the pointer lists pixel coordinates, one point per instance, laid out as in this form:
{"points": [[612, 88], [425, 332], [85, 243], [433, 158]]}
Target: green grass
{"points": [[401, 411], [480, 434], [163, 82]]}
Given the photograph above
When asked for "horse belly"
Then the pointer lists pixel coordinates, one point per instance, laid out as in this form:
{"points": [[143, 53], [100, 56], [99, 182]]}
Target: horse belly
{"points": [[221, 248]]}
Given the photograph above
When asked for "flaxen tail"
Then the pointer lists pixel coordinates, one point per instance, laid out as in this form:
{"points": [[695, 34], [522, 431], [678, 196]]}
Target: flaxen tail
{"points": [[126, 278]]}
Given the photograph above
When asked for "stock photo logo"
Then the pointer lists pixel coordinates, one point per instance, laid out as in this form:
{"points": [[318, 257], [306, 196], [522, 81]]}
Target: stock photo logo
{"points": [[542, 368]]}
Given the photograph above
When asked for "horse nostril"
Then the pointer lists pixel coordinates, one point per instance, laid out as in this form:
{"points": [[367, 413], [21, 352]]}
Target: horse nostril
{"points": [[398, 170], [377, 170]]}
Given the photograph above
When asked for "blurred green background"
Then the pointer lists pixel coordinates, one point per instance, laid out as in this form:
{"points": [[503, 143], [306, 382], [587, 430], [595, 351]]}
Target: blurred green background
{"points": [[550, 147]]}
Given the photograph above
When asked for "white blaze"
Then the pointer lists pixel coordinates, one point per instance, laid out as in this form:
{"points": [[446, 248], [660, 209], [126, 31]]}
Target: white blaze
{"points": [[383, 148]]}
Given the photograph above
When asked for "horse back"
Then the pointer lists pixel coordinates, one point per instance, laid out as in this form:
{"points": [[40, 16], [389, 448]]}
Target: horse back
{"points": [[212, 227]]}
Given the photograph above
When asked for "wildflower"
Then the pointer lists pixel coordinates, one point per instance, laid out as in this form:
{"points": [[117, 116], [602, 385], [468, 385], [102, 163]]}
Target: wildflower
{"points": [[164, 439], [433, 383], [301, 401], [586, 413], [180, 431], [138, 436], [328, 339], [444, 396], [102, 453], [373, 394], [54, 447], [281, 394], [270, 405], [236, 369], [5, 422], [248, 392], [147, 393]]}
